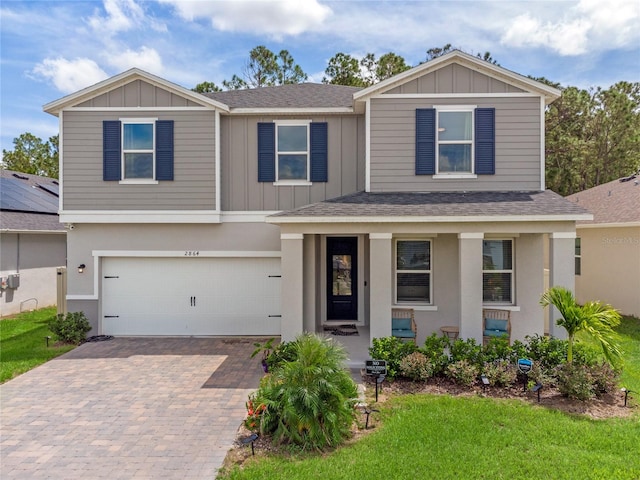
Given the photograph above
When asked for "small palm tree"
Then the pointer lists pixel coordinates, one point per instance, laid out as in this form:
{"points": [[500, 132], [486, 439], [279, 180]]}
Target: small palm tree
{"points": [[595, 318]]}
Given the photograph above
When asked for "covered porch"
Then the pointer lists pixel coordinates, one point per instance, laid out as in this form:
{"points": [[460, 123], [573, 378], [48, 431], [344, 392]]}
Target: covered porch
{"points": [[401, 250]]}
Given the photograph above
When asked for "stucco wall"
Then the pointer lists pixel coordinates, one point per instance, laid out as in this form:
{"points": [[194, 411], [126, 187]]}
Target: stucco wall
{"points": [[610, 267]]}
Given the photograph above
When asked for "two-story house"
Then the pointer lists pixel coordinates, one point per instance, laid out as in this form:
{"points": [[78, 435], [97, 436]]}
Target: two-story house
{"points": [[278, 210]]}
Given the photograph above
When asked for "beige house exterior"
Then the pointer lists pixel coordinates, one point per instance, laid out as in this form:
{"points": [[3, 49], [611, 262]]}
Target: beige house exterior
{"points": [[286, 209], [608, 247]]}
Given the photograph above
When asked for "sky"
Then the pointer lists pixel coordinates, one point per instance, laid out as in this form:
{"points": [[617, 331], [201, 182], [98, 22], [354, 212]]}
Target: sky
{"points": [[49, 49]]}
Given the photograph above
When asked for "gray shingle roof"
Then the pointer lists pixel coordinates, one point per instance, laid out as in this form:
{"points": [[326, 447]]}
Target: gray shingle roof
{"points": [[440, 204], [612, 202], [300, 95], [28, 202]]}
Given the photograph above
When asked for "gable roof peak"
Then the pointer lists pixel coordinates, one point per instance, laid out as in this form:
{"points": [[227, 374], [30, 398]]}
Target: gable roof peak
{"points": [[467, 60], [124, 78]]}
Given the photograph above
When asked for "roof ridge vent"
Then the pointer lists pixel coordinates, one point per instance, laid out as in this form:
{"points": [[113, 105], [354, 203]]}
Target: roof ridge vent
{"points": [[21, 177]]}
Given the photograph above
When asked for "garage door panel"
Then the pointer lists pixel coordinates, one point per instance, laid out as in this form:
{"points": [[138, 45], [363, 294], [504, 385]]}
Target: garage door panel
{"points": [[192, 296]]}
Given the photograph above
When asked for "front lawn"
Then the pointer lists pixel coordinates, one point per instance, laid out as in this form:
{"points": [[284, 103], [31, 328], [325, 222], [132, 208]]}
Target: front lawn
{"points": [[427, 436], [629, 331], [23, 345]]}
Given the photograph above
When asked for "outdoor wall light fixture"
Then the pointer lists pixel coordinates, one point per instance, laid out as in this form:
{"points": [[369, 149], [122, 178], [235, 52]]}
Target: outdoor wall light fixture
{"points": [[81, 268]]}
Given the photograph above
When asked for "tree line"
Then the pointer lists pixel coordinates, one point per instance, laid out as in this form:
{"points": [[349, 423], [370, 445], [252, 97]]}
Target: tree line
{"points": [[592, 135]]}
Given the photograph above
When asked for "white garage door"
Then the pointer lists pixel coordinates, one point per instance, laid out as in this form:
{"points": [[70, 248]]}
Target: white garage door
{"points": [[191, 296]]}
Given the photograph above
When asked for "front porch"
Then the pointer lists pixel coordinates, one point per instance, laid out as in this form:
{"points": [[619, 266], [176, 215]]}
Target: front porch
{"points": [[446, 268]]}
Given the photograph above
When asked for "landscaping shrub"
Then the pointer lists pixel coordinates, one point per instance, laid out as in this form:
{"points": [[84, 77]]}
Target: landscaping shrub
{"points": [[498, 348], [501, 373], [463, 372], [575, 381], [467, 350], [392, 350], [70, 328], [548, 352], [416, 366], [282, 353], [309, 401], [434, 349], [540, 375], [605, 378]]}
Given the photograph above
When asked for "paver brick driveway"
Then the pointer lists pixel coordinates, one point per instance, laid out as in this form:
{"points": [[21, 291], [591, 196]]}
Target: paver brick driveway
{"points": [[128, 408]]}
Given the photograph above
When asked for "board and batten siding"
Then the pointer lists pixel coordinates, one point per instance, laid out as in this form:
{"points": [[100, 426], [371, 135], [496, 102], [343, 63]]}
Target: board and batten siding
{"points": [[454, 79], [193, 187], [393, 146], [239, 164], [138, 94]]}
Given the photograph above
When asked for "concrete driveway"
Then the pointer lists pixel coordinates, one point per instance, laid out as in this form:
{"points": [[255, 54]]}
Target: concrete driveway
{"points": [[128, 408]]}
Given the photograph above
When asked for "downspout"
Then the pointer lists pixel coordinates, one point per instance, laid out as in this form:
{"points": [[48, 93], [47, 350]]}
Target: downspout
{"points": [[18, 254]]}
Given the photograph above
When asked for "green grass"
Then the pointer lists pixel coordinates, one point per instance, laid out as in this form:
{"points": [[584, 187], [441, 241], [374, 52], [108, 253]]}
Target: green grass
{"points": [[629, 331], [22, 343], [445, 437]]}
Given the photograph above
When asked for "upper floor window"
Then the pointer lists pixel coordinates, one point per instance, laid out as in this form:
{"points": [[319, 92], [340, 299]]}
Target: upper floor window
{"points": [[497, 271], [413, 271], [138, 150], [455, 141], [292, 150]]}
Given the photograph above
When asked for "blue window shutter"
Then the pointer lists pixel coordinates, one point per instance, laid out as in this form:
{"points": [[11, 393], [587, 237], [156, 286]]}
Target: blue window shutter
{"points": [[319, 170], [266, 152], [111, 153], [485, 141], [164, 150], [425, 141]]}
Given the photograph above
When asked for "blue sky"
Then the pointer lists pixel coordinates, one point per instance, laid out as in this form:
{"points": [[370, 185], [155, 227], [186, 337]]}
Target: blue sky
{"points": [[52, 48]]}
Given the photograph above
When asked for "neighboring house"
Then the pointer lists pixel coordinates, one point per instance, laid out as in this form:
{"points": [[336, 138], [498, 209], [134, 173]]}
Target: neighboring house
{"points": [[607, 252], [276, 210], [32, 242]]}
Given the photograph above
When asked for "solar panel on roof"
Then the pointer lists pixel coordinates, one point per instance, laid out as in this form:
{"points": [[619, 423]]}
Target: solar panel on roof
{"points": [[52, 189], [17, 196]]}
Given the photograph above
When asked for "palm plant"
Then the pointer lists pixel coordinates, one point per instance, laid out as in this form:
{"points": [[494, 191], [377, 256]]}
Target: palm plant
{"points": [[594, 318], [309, 401]]}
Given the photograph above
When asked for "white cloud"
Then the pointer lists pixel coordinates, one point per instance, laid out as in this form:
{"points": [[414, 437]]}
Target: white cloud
{"points": [[69, 75], [121, 16], [591, 25], [276, 19], [146, 58]]}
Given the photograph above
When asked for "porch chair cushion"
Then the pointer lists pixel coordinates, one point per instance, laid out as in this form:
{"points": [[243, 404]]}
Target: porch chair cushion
{"points": [[403, 324], [495, 324]]}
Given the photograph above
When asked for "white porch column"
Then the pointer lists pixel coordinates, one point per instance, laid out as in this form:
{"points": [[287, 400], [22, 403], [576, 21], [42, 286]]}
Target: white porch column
{"points": [[291, 323], [470, 264], [381, 285], [561, 272], [529, 266]]}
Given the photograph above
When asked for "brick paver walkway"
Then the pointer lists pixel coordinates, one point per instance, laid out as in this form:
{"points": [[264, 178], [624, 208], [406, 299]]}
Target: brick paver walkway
{"points": [[128, 408]]}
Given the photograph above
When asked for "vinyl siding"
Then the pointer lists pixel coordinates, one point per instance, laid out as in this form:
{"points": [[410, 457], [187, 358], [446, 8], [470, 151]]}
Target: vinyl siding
{"points": [[455, 79], [393, 146], [239, 164], [193, 187], [138, 94]]}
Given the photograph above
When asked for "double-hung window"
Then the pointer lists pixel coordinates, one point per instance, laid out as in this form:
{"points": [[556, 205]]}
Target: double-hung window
{"points": [[497, 271], [138, 153], [578, 256], [137, 150], [455, 140], [413, 271], [292, 151]]}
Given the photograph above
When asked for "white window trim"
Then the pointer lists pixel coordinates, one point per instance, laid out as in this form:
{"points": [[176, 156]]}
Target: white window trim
{"points": [[455, 108], [301, 181], [512, 271], [396, 271], [137, 181]]}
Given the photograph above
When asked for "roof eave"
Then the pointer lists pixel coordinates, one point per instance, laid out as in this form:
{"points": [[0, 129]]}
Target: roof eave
{"points": [[427, 219], [291, 110], [55, 107]]}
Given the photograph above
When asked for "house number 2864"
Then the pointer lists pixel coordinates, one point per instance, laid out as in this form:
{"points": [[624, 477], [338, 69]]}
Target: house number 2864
{"points": [[191, 253]]}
